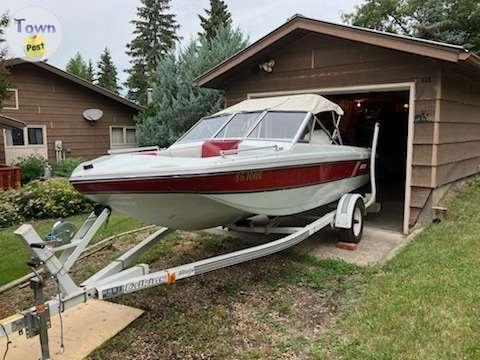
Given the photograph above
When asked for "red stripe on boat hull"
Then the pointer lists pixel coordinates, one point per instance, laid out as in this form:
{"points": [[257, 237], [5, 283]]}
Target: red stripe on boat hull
{"points": [[232, 182]]}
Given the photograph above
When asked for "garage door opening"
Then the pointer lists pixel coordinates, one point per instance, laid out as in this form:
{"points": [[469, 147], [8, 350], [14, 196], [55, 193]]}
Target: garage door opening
{"points": [[391, 110]]}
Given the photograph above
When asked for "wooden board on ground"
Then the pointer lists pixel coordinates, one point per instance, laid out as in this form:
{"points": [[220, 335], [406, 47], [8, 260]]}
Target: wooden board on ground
{"points": [[86, 327]]}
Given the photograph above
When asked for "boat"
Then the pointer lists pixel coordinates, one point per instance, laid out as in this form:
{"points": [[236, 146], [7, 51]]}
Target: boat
{"points": [[275, 156]]}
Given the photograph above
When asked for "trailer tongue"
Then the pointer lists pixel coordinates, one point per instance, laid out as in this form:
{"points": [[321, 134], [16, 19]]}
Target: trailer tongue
{"points": [[120, 278]]}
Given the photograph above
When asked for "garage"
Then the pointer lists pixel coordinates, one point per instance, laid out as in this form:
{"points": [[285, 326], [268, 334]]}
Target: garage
{"points": [[425, 95], [390, 110]]}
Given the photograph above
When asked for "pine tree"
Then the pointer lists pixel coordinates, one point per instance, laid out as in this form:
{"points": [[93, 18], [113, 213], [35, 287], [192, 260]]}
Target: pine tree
{"points": [[155, 36], [3, 53], [177, 103], [107, 72], [90, 71], [217, 17], [78, 66]]}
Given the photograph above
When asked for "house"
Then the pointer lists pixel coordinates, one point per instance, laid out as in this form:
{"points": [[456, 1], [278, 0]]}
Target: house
{"points": [[52, 104], [424, 94]]}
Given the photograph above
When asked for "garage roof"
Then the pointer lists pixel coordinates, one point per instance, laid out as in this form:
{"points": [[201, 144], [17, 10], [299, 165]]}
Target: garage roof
{"points": [[428, 48]]}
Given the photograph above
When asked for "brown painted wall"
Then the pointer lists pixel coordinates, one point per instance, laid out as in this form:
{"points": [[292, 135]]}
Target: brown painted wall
{"points": [[320, 61], [48, 99], [458, 142]]}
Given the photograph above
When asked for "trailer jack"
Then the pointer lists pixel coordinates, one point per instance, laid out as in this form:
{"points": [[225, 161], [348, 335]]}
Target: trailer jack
{"points": [[38, 322]]}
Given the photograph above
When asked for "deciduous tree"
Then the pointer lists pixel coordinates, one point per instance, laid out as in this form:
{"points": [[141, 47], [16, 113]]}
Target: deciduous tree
{"points": [[451, 21], [78, 66]]}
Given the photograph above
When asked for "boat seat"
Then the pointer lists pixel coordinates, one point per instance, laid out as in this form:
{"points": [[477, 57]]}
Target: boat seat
{"points": [[320, 137], [214, 147]]}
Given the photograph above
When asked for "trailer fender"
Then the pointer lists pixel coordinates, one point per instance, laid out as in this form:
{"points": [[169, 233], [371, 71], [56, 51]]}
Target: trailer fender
{"points": [[345, 208]]}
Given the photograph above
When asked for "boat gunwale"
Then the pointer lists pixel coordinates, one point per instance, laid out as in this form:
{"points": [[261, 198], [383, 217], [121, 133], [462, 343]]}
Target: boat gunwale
{"points": [[212, 174]]}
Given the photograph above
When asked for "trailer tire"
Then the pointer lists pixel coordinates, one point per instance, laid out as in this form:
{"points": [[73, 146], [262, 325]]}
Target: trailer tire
{"points": [[355, 232]]}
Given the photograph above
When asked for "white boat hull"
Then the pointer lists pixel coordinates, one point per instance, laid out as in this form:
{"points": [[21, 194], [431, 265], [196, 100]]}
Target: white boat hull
{"points": [[199, 211]]}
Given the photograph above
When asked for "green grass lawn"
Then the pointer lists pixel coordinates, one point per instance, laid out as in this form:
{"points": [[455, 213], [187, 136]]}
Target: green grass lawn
{"points": [[14, 253], [425, 304]]}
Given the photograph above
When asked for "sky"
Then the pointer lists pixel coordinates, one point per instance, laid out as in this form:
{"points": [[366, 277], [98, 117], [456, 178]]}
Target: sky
{"points": [[89, 26]]}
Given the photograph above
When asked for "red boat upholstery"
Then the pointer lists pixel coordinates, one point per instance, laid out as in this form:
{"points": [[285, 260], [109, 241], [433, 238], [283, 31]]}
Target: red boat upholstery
{"points": [[214, 147]]}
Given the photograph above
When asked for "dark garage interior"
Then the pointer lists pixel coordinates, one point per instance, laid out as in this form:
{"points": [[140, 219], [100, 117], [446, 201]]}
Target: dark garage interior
{"points": [[390, 110]]}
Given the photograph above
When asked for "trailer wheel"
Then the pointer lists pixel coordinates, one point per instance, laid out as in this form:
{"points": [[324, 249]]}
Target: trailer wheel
{"points": [[354, 234]]}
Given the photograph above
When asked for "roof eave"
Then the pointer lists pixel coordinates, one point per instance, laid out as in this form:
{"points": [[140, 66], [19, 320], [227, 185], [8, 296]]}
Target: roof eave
{"points": [[7, 122], [79, 81], [439, 51], [472, 59]]}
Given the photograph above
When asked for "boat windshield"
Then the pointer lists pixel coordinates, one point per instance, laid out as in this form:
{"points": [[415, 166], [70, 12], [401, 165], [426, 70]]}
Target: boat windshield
{"points": [[274, 125], [239, 126], [278, 125], [204, 129]]}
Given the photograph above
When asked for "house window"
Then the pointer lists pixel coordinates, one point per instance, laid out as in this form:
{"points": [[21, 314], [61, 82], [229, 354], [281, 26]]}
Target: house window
{"points": [[123, 135], [35, 136], [31, 135], [15, 137], [117, 135], [131, 137], [10, 102]]}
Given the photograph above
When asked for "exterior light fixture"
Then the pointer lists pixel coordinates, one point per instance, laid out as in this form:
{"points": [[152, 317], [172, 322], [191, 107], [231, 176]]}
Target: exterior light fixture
{"points": [[267, 66]]}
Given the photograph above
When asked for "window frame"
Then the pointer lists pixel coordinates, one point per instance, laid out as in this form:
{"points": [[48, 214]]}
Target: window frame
{"points": [[26, 143], [124, 133], [16, 107]]}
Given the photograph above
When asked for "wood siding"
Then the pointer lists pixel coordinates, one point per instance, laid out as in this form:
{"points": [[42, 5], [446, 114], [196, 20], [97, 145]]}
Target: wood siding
{"points": [[318, 61], [457, 149], [48, 99]]}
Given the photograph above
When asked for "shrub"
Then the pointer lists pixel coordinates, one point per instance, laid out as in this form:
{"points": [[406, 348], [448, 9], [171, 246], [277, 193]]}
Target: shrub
{"points": [[54, 198], [65, 167], [32, 167], [10, 213], [50, 199]]}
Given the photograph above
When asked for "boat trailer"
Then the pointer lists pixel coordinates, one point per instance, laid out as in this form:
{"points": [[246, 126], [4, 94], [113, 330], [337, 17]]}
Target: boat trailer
{"points": [[119, 277]]}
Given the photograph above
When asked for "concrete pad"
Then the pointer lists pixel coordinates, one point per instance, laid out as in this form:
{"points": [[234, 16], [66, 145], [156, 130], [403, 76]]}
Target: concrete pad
{"points": [[377, 245], [86, 327]]}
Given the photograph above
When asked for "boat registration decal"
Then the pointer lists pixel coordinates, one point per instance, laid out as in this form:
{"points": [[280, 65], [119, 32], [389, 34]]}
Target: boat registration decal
{"points": [[248, 176]]}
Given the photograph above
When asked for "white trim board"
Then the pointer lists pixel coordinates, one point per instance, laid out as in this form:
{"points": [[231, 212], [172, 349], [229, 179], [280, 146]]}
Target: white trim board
{"points": [[16, 107]]}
